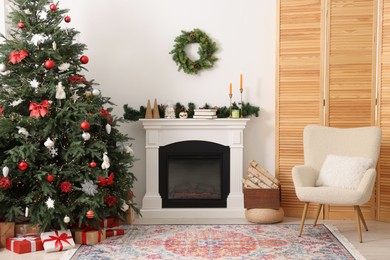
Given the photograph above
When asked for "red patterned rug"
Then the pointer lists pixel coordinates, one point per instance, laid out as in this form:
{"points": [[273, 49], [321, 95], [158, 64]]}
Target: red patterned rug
{"points": [[191, 242]]}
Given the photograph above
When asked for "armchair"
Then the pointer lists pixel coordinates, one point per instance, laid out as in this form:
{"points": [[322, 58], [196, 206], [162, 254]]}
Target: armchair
{"points": [[339, 168]]}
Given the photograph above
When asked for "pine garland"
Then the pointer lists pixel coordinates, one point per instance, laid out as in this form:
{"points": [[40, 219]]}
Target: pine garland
{"points": [[222, 112], [206, 51]]}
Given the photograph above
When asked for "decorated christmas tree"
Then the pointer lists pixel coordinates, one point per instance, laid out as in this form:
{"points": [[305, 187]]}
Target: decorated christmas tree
{"points": [[63, 160]]}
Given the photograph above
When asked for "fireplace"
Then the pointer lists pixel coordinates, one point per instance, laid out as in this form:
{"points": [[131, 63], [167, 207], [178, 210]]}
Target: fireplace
{"points": [[186, 199], [194, 174]]}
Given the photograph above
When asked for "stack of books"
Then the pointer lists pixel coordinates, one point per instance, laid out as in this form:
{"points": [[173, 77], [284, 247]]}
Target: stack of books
{"points": [[205, 113]]}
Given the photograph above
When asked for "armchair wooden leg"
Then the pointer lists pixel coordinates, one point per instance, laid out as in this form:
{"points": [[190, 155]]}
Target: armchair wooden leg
{"points": [[362, 218], [303, 218], [357, 209], [318, 213]]}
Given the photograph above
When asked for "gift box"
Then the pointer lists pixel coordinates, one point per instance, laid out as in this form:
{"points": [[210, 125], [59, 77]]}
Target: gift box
{"points": [[114, 232], [89, 236], [24, 244], [58, 240], [24, 229], [109, 223], [7, 230]]}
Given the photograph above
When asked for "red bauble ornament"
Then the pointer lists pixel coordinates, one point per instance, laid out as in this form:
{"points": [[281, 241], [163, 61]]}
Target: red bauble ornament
{"points": [[53, 7], [67, 19], [21, 25], [92, 164], [49, 64], [84, 59], [90, 214], [85, 125], [23, 165], [50, 178]]}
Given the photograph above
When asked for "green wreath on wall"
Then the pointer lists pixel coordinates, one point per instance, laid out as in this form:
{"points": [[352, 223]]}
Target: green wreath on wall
{"points": [[206, 51]]}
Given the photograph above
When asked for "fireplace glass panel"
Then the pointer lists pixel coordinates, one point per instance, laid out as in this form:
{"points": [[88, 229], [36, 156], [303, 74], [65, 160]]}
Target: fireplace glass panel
{"points": [[194, 178]]}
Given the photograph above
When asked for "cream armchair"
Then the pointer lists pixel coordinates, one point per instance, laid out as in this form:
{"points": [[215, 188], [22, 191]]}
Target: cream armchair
{"points": [[321, 145]]}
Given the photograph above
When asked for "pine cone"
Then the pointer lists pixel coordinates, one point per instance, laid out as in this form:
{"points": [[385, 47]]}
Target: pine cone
{"points": [[197, 66], [192, 36]]}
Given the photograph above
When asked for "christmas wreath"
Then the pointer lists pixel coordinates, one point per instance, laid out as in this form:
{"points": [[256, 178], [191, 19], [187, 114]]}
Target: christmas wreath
{"points": [[206, 51]]}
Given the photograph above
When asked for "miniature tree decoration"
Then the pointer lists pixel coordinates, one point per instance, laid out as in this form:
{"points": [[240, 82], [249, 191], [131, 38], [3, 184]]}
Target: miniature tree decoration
{"points": [[62, 157]]}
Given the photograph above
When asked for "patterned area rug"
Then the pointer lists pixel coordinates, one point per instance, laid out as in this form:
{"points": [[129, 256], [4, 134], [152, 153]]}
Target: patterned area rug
{"points": [[192, 242]]}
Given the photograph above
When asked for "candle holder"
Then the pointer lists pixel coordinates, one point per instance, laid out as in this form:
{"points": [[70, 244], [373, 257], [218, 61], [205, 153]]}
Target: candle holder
{"points": [[230, 107], [242, 104]]}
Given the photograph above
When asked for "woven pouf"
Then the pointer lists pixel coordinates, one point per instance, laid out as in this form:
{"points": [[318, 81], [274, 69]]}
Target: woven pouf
{"points": [[264, 216]]}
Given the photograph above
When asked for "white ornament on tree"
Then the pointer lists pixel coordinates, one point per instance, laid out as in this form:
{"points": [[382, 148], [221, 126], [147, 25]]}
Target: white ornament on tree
{"points": [[5, 171], [50, 203], [63, 67], [60, 93], [23, 131], [34, 83], [66, 219], [108, 128], [95, 92], [86, 136], [49, 143], [3, 67], [106, 162]]}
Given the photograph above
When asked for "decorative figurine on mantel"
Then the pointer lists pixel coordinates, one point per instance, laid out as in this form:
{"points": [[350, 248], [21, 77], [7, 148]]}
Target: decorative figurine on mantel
{"points": [[170, 111]]}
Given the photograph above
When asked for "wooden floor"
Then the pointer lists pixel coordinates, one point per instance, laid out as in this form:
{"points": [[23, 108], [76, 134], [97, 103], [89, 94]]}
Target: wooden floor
{"points": [[375, 246]]}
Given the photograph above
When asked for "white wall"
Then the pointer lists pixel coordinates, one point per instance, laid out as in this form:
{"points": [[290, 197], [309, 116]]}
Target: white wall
{"points": [[128, 46]]}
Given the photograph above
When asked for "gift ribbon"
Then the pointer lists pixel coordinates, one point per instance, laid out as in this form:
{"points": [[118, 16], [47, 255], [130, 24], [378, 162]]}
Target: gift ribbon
{"points": [[58, 239], [31, 239], [84, 235]]}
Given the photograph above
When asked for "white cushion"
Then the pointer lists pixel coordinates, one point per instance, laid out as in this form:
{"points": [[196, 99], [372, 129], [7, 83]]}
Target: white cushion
{"points": [[343, 171]]}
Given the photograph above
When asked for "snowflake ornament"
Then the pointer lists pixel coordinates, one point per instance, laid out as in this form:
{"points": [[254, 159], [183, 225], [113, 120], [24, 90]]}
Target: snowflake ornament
{"points": [[63, 67], [53, 152], [34, 83], [74, 97], [38, 39], [50, 203], [89, 188]]}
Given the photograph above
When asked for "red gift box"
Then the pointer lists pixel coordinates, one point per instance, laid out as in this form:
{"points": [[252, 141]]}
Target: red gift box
{"points": [[109, 223], [24, 244], [114, 232]]}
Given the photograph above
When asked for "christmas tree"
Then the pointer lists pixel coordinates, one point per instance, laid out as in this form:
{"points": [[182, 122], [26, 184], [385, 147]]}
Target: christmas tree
{"points": [[63, 159]]}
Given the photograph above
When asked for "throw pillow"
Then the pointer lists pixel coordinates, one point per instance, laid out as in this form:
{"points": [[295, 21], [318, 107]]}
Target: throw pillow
{"points": [[343, 171]]}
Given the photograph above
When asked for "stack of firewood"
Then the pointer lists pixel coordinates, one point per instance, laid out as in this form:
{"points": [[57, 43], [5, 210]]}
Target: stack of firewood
{"points": [[259, 178]]}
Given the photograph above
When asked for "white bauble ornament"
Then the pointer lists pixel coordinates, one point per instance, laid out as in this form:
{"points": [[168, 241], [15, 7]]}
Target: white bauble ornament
{"points": [[2, 67], [95, 92], [66, 219], [5, 171], [49, 143], [86, 136], [108, 128]]}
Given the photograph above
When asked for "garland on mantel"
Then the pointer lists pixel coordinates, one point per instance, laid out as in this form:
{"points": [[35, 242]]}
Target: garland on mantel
{"points": [[222, 112]]}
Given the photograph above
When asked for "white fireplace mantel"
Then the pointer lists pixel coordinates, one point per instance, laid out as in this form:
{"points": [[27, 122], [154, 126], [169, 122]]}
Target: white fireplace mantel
{"points": [[161, 132]]}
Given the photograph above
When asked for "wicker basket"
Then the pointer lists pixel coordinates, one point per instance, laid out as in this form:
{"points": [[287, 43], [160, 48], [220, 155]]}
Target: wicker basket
{"points": [[261, 198]]}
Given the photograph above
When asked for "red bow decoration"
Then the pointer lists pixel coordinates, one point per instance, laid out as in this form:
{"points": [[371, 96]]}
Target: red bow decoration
{"points": [[106, 181], [17, 56], [78, 79], [39, 109], [58, 238]]}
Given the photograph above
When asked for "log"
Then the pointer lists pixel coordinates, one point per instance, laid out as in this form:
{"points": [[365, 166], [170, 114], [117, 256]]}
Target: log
{"points": [[258, 182], [270, 184], [266, 173], [248, 184]]}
